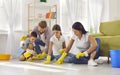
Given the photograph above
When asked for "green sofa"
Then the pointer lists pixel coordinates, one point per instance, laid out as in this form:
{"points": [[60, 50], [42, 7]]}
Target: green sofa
{"points": [[109, 36]]}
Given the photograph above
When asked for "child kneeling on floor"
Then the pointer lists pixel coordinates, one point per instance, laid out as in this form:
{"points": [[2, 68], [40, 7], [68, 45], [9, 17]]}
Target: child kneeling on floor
{"points": [[57, 45], [26, 49]]}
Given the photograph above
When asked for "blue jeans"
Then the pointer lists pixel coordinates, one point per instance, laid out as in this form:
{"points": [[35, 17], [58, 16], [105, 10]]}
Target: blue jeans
{"points": [[84, 60], [67, 58], [37, 43], [81, 60], [20, 51]]}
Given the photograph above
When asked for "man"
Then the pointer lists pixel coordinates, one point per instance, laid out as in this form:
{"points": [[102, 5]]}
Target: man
{"points": [[44, 34]]}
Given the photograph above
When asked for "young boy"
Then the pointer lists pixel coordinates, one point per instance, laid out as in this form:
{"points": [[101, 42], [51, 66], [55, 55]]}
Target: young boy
{"points": [[22, 53]]}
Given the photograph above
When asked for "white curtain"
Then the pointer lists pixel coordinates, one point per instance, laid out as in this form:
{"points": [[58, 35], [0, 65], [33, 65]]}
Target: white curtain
{"points": [[73, 11], [76, 10], [11, 7], [95, 8], [88, 12]]}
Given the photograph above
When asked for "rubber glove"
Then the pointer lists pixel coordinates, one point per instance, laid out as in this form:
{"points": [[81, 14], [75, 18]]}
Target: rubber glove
{"points": [[27, 54], [35, 57], [41, 56], [47, 60], [60, 60], [61, 51], [23, 38], [29, 60], [84, 54]]}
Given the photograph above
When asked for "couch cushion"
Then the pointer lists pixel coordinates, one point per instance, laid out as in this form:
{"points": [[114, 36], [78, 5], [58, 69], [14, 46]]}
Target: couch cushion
{"points": [[110, 28]]}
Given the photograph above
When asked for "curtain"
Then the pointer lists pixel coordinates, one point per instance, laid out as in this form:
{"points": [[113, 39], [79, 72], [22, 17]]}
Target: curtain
{"points": [[95, 8], [88, 12], [73, 11], [76, 10], [11, 7]]}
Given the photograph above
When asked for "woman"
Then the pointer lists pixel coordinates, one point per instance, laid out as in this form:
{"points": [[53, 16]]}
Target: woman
{"points": [[85, 43]]}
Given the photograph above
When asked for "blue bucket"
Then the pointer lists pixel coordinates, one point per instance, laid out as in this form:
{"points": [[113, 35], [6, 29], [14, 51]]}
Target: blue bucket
{"points": [[115, 58]]}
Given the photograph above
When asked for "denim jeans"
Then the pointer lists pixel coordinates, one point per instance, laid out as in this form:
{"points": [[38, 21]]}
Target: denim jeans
{"points": [[81, 60], [38, 42], [67, 58]]}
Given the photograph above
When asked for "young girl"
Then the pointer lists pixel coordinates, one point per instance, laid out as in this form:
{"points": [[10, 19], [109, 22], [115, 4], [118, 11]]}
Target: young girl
{"points": [[57, 44]]}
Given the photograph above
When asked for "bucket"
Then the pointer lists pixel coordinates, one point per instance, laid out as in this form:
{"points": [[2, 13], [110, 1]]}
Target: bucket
{"points": [[4, 56], [115, 58]]}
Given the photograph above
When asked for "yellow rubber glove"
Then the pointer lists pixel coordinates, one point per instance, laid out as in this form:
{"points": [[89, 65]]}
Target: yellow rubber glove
{"points": [[61, 51], [23, 38], [35, 57], [27, 54], [41, 56], [60, 60], [29, 60], [84, 54], [47, 60]]}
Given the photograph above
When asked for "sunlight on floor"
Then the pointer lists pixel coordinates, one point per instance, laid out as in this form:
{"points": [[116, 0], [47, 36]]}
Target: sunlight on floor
{"points": [[15, 67]]}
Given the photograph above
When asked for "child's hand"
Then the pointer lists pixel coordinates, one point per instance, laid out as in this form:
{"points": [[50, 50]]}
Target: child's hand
{"points": [[27, 54], [47, 60], [40, 56], [61, 51], [43, 55], [60, 60]]}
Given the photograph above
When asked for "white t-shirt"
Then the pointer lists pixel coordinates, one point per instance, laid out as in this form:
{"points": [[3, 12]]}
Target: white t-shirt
{"points": [[22, 43], [57, 44], [43, 39], [81, 44]]}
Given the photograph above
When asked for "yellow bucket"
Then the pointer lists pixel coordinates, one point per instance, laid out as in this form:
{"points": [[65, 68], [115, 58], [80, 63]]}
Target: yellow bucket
{"points": [[5, 56]]}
